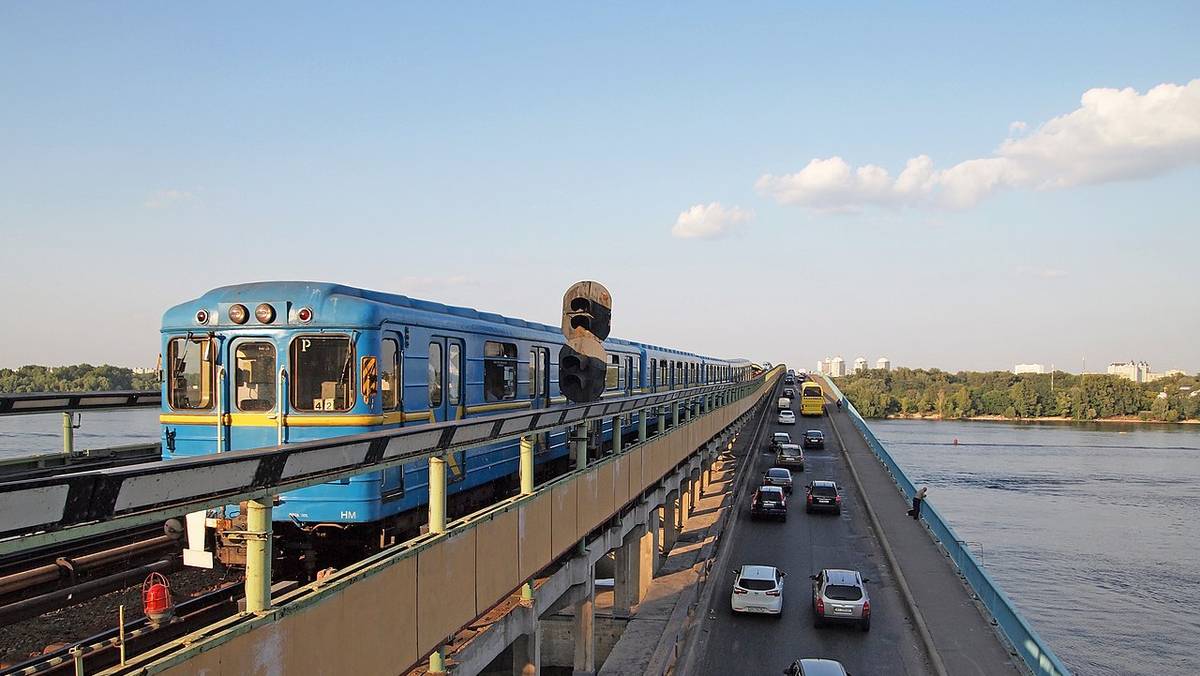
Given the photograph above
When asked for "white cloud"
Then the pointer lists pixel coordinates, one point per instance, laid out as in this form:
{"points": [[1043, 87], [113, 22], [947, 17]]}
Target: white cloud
{"points": [[706, 221], [1115, 135], [166, 198], [1017, 127]]}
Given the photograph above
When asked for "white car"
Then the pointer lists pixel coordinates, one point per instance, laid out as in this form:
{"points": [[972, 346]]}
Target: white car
{"points": [[787, 418], [758, 589]]}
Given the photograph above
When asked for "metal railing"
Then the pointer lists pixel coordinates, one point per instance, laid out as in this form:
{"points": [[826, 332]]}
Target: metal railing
{"points": [[1036, 654], [74, 402], [48, 510]]}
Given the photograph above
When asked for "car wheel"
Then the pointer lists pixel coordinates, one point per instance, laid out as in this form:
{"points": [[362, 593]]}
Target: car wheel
{"points": [[865, 625], [808, 510], [818, 622], [783, 518], [837, 511]]}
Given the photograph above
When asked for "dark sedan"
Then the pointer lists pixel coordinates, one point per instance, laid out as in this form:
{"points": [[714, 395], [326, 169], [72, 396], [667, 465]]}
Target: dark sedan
{"points": [[814, 439], [769, 501]]}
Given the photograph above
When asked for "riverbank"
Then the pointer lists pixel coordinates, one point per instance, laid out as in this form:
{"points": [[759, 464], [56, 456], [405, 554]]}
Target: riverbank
{"points": [[1056, 418]]}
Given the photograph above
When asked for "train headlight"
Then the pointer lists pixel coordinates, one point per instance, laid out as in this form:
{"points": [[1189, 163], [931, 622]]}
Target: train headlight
{"points": [[201, 316], [304, 314], [264, 313], [238, 314]]}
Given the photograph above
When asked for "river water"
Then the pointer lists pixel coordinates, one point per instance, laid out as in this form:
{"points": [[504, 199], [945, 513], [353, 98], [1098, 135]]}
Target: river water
{"points": [[1090, 529], [33, 434]]}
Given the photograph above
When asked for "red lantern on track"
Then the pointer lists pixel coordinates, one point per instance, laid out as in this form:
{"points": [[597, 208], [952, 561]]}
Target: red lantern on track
{"points": [[156, 598]]}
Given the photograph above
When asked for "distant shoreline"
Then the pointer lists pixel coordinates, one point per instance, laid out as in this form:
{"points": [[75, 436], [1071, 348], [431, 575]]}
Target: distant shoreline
{"points": [[1056, 418]]}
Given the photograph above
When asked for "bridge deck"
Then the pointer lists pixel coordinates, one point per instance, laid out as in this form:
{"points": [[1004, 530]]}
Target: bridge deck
{"points": [[806, 543]]}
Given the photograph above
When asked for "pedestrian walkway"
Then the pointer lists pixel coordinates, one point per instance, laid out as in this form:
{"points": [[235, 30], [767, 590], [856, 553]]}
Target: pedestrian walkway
{"points": [[965, 640], [648, 644]]}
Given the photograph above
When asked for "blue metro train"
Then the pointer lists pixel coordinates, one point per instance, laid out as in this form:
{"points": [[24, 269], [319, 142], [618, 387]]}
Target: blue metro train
{"points": [[260, 364]]}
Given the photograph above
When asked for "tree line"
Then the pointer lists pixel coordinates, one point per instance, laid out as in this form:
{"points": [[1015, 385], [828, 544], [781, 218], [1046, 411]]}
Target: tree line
{"points": [[76, 378], [932, 392]]}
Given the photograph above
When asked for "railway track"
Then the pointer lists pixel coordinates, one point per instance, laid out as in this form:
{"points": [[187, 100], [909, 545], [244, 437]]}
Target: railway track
{"points": [[103, 650], [55, 577]]}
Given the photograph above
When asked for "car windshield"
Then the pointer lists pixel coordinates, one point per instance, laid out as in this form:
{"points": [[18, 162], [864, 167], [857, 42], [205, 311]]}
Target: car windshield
{"points": [[756, 584], [815, 434], [779, 474], [783, 437], [769, 493], [824, 491], [843, 592]]}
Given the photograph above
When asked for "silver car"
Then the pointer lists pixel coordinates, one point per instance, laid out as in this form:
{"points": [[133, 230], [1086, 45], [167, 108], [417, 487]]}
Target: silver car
{"points": [[840, 596], [816, 667], [778, 476]]}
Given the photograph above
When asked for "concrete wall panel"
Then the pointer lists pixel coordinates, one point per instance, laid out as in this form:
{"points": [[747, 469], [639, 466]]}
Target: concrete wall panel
{"points": [[533, 527], [564, 529], [588, 509], [497, 562], [621, 479], [605, 490], [634, 473], [445, 589]]}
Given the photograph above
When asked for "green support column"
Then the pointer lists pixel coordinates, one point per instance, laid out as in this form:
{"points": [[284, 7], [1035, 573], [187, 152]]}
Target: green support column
{"points": [[437, 494], [68, 432], [437, 524], [258, 555], [580, 439], [526, 467], [674, 413], [643, 430], [617, 435]]}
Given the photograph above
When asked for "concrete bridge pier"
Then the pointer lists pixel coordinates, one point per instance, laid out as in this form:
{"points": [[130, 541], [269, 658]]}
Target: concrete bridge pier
{"points": [[583, 630], [527, 652], [633, 570], [670, 522]]}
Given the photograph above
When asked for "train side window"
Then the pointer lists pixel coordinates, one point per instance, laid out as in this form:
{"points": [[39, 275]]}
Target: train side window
{"points": [[434, 376], [190, 385], [453, 369], [499, 371], [653, 374], [612, 377], [254, 376], [389, 375], [636, 368], [322, 373]]}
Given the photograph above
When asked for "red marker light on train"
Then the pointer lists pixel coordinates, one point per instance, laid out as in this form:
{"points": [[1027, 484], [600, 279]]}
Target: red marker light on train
{"points": [[238, 314], [264, 313], [201, 316], [304, 314]]}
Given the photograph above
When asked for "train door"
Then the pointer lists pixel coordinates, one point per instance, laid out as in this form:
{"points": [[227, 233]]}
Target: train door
{"points": [[539, 376], [447, 396], [250, 401], [391, 400]]}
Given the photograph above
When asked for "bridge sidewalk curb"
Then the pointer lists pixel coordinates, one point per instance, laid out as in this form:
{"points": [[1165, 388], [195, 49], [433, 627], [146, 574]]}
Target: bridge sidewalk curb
{"points": [[935, 659]]}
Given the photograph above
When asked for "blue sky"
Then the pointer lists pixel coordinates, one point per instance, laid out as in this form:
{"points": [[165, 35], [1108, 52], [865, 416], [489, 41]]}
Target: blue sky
{"points": [[490, 156]]}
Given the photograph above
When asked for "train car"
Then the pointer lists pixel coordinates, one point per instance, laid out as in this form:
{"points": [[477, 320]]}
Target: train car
{"points": [[268, 363]]}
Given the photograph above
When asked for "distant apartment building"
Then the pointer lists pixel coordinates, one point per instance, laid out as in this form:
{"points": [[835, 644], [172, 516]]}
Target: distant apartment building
{"points": [[1028, 368], [860, 364], [883, 364], [144, 369], [837, 367], [821, 364], [1137, 371]]}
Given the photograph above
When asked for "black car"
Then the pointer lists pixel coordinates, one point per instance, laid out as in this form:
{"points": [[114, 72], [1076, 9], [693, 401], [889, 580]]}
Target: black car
{"points": [[789, 393], [814, 439], [823, 495], [769, 501]]}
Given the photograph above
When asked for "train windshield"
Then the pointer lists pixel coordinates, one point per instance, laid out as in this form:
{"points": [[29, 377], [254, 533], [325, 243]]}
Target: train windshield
{"points": [[191, 362], [322, 373]]}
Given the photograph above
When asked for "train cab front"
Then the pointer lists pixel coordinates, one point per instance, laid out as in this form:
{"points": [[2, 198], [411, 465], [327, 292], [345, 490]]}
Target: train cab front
{"points": [[261, 365]]}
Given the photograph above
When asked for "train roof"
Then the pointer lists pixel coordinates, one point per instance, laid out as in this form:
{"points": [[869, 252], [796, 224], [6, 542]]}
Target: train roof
{"points": [[326, 299]]}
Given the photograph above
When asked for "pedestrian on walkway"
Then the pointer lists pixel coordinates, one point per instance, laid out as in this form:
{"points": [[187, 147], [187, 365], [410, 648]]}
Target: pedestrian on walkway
{"points": [[919, 498]]}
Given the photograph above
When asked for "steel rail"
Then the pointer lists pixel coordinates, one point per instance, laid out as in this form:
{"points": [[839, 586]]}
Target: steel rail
{"points": [[73, 402], [49, 510]]}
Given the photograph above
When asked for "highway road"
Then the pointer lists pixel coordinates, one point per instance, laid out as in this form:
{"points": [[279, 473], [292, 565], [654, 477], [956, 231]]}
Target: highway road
{"points": [[801, 546]]}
